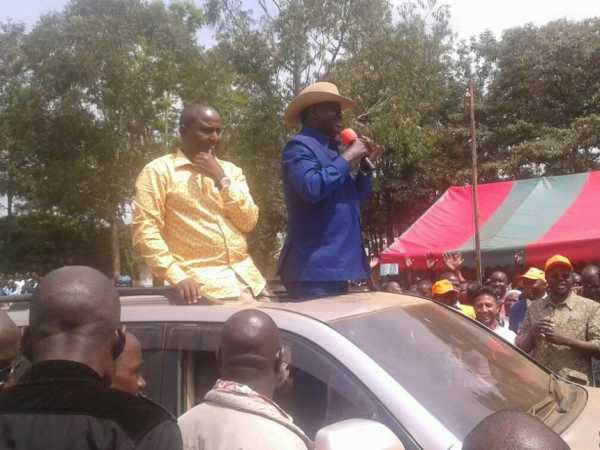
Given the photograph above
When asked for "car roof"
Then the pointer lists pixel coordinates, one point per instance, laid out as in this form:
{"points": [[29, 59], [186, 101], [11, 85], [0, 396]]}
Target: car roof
{"points": [[349, 305], [160, 306]]}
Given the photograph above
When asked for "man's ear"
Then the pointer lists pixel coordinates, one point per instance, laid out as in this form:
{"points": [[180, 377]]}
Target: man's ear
{"points": [[282, 370], [118, 342]]}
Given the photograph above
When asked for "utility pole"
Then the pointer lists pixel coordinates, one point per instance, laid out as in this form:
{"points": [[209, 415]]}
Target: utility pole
{"points": [[474, 184]]}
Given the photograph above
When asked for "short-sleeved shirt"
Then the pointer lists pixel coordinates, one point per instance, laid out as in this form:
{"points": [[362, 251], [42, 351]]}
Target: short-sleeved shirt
{"points": [[576, 317]]}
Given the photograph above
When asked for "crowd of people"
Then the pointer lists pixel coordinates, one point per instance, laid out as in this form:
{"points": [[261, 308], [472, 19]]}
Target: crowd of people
{"points": [[78, 384], [553, 314], [191, 217], [18, 283]]}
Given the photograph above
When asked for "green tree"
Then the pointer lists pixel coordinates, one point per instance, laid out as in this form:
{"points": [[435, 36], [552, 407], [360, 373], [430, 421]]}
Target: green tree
{"points": [[540, 106], [106, 77], [274, 53], [12, 100], [411, 102]]}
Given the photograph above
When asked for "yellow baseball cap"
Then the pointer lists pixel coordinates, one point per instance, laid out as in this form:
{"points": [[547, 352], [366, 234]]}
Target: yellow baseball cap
{"points": [[558, 260], [534, 274], [442, 287]]}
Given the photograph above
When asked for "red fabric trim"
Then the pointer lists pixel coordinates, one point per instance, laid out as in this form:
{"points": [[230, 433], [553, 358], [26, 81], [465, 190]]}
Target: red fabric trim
{"points": [[448, 224]]}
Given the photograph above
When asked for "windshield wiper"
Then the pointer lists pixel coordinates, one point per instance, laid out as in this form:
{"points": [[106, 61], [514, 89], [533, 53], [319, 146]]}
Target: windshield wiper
{"points": [[556, 388], [546, 401], [555, 396]]}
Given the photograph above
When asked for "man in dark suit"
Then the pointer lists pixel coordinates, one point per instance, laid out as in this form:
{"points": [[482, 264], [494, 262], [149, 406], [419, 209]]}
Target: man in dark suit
{"points": [[323, 248]]}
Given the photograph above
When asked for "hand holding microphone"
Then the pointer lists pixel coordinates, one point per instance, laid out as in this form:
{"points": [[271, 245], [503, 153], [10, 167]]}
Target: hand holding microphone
{"points": [[359, 148]]}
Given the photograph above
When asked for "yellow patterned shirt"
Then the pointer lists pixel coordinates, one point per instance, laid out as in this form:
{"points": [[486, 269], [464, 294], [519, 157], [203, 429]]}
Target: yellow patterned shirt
{"points": [[183, 226]]}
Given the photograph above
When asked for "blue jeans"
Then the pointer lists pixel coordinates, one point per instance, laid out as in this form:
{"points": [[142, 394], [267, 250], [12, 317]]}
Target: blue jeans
{"points": [[306, 290]]}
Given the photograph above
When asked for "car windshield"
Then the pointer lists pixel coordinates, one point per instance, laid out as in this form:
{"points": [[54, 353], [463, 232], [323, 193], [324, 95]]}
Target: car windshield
{"points": [[458, 371]]}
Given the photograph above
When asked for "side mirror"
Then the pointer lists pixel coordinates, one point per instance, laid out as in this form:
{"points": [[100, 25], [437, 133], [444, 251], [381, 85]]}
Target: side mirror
{"points": [[357, 434]]}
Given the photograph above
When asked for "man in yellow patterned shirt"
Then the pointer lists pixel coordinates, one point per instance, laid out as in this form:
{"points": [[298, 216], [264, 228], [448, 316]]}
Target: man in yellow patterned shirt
{"points": [[192, 211]]}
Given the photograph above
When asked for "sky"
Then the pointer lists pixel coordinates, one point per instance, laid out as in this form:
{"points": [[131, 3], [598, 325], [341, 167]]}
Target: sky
{"points": [[469, 17]]}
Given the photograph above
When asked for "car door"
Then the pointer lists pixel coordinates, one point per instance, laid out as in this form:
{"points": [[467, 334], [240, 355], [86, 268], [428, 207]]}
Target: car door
{"points": [[316, 390]]}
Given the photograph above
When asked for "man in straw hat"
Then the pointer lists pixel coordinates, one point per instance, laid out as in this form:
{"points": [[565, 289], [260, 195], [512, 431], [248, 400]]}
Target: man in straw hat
{"points": [[562, 331], [323, 248]]}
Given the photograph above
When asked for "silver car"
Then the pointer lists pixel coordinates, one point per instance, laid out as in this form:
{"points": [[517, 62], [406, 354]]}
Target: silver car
{"points": [[418, 368]]}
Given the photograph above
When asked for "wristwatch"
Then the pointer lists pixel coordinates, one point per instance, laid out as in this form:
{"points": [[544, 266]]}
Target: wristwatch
{"points": [[223, 183]]}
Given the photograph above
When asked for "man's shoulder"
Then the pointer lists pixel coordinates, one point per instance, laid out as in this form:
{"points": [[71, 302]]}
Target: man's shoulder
{"points": [[519, 307], [505, 333], [253, 426], [303, 140], [136, 416], [585, 303], [161, 163], [468, 311], [537, 306], [138, 403], [229, 168]]}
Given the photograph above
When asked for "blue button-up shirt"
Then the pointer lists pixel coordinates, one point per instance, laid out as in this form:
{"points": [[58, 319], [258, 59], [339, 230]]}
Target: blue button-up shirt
{"points": [[323, 199], [517, 315]]}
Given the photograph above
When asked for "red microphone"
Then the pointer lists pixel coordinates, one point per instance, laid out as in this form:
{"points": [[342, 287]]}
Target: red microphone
{"points": [[348, 136]]}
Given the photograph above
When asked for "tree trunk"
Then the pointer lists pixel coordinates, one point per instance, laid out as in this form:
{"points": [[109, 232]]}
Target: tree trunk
{"points": [[9, 194], [9, 204], [114, 238]]}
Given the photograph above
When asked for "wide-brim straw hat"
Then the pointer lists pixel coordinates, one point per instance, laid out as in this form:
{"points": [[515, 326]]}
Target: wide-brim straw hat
{"points": [[320, 92]]}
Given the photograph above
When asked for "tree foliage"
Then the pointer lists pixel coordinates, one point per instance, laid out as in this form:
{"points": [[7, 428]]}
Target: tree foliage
{"points": [[93, 92]]}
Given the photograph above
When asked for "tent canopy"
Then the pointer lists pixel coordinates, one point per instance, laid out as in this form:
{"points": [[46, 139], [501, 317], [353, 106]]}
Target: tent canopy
{"points": [[541, 216]]}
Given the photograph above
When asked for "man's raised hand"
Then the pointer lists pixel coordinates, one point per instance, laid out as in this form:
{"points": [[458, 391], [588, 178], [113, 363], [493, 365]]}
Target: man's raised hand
{"points": [[454, 261], [431, 261], [208, 165]]}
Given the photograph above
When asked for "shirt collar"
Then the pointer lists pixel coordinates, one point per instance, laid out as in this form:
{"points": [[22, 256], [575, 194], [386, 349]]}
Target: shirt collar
{"points": [[321, 137], [180, 159], [569, 302], [231, 387], [59, 370]]}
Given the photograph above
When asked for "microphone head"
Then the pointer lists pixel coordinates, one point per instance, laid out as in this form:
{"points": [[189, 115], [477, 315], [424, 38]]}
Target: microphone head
{"points": [[348, 136]]}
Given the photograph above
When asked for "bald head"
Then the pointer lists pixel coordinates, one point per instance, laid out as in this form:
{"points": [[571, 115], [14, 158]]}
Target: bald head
{"points": [[71, 298], [590, 278], [424, 288], [250, 343], [513, 430], [201, 128], [194, 113], [9, 339], [73, 315]]}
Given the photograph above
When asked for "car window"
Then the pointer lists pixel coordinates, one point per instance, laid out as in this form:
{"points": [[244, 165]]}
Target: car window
{"points": [[458, 371], [196, 344], [317, 391], [161, 366]]}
